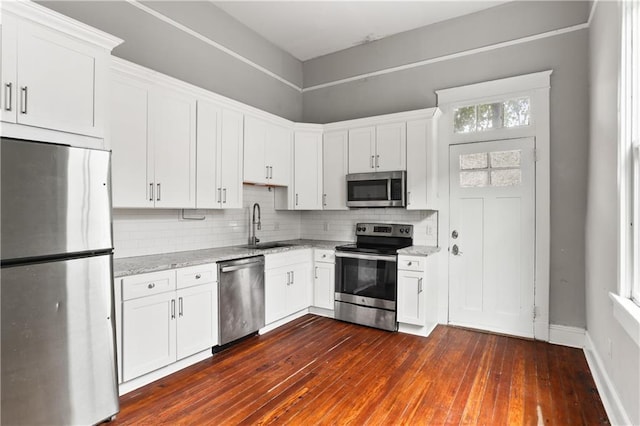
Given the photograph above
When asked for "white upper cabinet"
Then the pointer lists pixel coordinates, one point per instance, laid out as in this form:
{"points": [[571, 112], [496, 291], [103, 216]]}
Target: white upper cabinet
{"points": [[378, 148], [55, 76], [153, 138], [422, 162], [267, 152], [334, 169], [219, 157], [307, 182]]}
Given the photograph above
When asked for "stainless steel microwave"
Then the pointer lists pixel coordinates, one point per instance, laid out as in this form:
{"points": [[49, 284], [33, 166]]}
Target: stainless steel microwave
{"points": [[378, 189]]}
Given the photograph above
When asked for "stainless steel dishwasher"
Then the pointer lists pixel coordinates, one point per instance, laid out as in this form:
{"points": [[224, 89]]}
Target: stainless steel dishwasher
{"points": [[241, 297]]}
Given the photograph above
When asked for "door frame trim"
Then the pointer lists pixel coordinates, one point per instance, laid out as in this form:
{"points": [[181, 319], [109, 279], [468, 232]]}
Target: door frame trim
{"points": [[537, 87]]}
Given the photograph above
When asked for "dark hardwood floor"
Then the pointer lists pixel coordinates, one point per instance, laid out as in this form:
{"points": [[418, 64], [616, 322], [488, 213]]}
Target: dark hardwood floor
{"points": [[319, 371]]}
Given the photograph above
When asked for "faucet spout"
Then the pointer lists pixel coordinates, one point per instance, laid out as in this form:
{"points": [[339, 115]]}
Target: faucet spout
{"points": [[253, 240]]}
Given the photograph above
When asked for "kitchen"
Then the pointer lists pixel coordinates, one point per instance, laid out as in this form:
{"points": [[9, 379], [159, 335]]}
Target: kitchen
{"points": [[149, 29]]}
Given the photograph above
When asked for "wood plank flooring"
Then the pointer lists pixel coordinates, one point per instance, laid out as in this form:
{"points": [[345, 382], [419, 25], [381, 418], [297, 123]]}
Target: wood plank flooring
{"points": [[319, 371]]}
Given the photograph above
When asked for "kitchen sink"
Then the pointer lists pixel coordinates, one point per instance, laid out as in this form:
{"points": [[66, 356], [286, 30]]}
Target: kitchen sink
{"points": [[267, 245]]}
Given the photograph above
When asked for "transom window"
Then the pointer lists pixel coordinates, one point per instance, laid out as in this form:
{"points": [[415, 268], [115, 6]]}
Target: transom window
{"points": [[491, 116], [498, 168]]}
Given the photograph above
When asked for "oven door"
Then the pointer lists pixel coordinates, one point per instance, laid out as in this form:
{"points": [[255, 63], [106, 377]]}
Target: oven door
{"points": [[366, 279]]}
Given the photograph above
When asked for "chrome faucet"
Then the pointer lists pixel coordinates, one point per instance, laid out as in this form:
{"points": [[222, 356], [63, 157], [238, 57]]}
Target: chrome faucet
{"points": [[253, 240]]}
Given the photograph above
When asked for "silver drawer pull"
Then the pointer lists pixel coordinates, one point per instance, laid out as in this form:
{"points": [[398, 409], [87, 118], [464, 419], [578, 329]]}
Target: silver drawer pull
{"points": [[152, 285], [8, 96], [198, 276], [409, 263]]}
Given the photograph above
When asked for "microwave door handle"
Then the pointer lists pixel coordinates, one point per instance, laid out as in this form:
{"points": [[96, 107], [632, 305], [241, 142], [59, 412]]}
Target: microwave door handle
{"points": [[389, 189]]}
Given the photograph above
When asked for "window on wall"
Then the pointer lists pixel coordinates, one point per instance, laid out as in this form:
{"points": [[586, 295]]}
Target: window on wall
{"points": [[630, 150], [492, 116]]}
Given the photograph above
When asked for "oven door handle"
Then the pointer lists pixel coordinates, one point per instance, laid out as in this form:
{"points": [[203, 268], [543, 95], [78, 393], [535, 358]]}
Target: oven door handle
{"points": [[388, 258]]}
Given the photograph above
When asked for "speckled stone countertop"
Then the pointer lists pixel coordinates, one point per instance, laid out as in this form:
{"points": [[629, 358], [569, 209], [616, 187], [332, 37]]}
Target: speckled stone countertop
{"points": [[419, 250], [158, 262]]}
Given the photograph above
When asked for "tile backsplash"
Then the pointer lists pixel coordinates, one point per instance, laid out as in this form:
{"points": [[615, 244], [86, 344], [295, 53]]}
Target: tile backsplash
{"points": [[139, 232]]}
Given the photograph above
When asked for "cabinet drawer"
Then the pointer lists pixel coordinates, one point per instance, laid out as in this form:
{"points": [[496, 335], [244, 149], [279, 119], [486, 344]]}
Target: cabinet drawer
{"points": [[290, 257], [321, 255], [148, 284], [406, 263], [195, 275]]}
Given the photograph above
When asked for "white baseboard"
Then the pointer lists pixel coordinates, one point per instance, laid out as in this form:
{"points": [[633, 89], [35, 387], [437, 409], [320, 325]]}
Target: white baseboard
{"points": [[608, 395], [282, 321], [566, 336], [138, 382]]}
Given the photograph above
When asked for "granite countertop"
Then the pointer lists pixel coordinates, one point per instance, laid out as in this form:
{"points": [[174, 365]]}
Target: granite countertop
{"points": [[159, 262], [419, 250]]}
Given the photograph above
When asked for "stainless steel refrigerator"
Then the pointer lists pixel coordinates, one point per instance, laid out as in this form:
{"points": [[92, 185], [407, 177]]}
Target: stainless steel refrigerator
{"points": [[57, 315]]}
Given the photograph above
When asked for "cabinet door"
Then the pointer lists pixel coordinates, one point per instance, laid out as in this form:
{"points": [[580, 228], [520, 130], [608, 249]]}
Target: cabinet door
{"points": [[230, 159], [148, 334], [299, 290], [308, 170], [324, 285], [277, 155], [362, 150], [131, 174], [172, 132], [8, 68], [391, 147], [421, 165], [208, 189], [411, 297], [195, 319], [56, 81], [277, 282], [255, 133], [334, 169]]}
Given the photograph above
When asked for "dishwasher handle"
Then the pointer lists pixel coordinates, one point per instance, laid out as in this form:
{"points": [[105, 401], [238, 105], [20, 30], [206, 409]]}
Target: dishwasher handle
{"points": [[244, 265]]}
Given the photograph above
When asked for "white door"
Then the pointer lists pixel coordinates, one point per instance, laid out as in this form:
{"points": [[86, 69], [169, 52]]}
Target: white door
{"points": [[308, 170], [172, 132], [324, 285], [230, 159], [255, 133], [9, 68], [335, 167], [276, 285], [277, 154], [391, 147], [195, 323], [208, 191], [491, 236], [362, 143], [411, 297]]}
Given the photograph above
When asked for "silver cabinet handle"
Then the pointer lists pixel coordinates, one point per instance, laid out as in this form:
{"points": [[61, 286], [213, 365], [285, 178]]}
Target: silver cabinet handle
{"points": [[219, 199], [377, 161], [419, 285], [371, 162], [270, 172], [224, 195], [409, 263], [198, 276], [158, 194], [151, 191], [408, 198], [173, 308], [266, 176], [293, 277], [316, 274], [296, 198], [180, 311], [8, 96], [288, 278], [324, 199], [23, 100], [151, 285]]}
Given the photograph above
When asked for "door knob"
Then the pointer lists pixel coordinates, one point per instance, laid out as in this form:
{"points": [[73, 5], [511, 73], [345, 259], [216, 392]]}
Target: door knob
{"points": [[454, 234], [455, 250]]}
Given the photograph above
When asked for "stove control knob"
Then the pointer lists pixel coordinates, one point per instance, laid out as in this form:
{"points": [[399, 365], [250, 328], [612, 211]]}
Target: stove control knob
{"points": [[402, 230], [364, 228], [359, 228]]}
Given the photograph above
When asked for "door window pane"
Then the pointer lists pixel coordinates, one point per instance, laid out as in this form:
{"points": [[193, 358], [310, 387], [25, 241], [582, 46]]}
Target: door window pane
{"points": [[474, 179], [505, 159], [474, 161], [506, 177], [516, 112], [464, 119], [489, 116]]}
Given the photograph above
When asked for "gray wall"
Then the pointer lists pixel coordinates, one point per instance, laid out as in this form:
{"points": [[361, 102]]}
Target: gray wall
{"points": [[623, 366], [566, 55], [162, 47]]}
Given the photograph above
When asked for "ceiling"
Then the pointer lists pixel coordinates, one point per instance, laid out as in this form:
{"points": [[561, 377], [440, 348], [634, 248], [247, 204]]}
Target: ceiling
{"points": [[308, 29]]}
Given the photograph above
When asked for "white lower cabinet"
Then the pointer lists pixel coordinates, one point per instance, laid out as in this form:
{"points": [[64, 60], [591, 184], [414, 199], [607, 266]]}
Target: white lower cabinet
{"points": [[417, 301], [167, 316], [324, 279], [287, 283]]}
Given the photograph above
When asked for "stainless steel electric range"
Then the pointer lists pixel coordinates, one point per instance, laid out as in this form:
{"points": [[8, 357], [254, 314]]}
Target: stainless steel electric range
{"points": [[366, 275]]}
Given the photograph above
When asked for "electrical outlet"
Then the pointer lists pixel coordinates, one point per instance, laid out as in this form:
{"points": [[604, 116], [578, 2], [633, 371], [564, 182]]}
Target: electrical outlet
{"points": [[326, 226], [276, 226]]}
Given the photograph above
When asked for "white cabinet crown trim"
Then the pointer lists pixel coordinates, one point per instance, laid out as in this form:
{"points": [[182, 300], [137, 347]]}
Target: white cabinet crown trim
{"points": [[44, 16]]}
